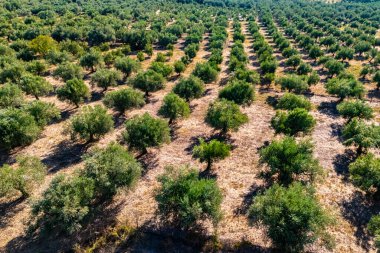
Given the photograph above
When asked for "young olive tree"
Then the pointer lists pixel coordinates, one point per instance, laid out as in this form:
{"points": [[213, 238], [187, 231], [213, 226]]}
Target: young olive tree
{"points": [[293, 122], [189, 88], [211, 152]]}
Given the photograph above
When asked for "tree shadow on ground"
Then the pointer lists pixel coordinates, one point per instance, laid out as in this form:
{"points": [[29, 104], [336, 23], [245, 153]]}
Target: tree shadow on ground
{"points": [[329, 109], [99, 221], [148, 161], [9, 209], [248, 198], [373, 94], [65, 154], [358, 210], [342, 161]]}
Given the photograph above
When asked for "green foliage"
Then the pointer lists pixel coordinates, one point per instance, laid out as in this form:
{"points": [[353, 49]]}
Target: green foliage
{"points": [[374, 228], [179, 67], [344, 87], [68, 71], [293, 216], [361, 135], [248, 76], [42, 112], [10, 96], [225, 115], [211, 152], [293, 61], [293, 83], [189, 88], [304, 69], [91, 60], [75, 91], [127, 65], [186, 200], [334, 67], [174, 107], [35, 85], [17, 128], [105, 78], [239, 92], [290, 101], [205, 72], [365, 173], [162, 68], [376, 78], [145, 131], [110, 168], [91, 123], [148, 81], [355, 108], [64, 205], [43, 44], [124, 99], [140, 56], [28, 174], [293, 122], [290, 160]]}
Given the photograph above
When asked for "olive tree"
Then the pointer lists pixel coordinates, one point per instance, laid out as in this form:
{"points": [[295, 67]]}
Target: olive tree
{"points": [[240, 92], [211, 151], [74, 91], [365, 173], [290, 101], [205, 72], [344, 87], [298, 219], [148, 81], [105, 78], [42, 112], [225, 115], [293, 122], [145, 131], [189, 88], [110, 168], [28, 174], [184, 199], [289, 160], [68, 71], [10, 96], [90, 123], [363, 136], [17, 128], [35, 85], [174, 107], [124, 99], [355, 109], [127, 65]]}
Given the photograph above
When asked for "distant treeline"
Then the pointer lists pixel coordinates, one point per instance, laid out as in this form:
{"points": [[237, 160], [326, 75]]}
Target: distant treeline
{"points": [[222, 3]]}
